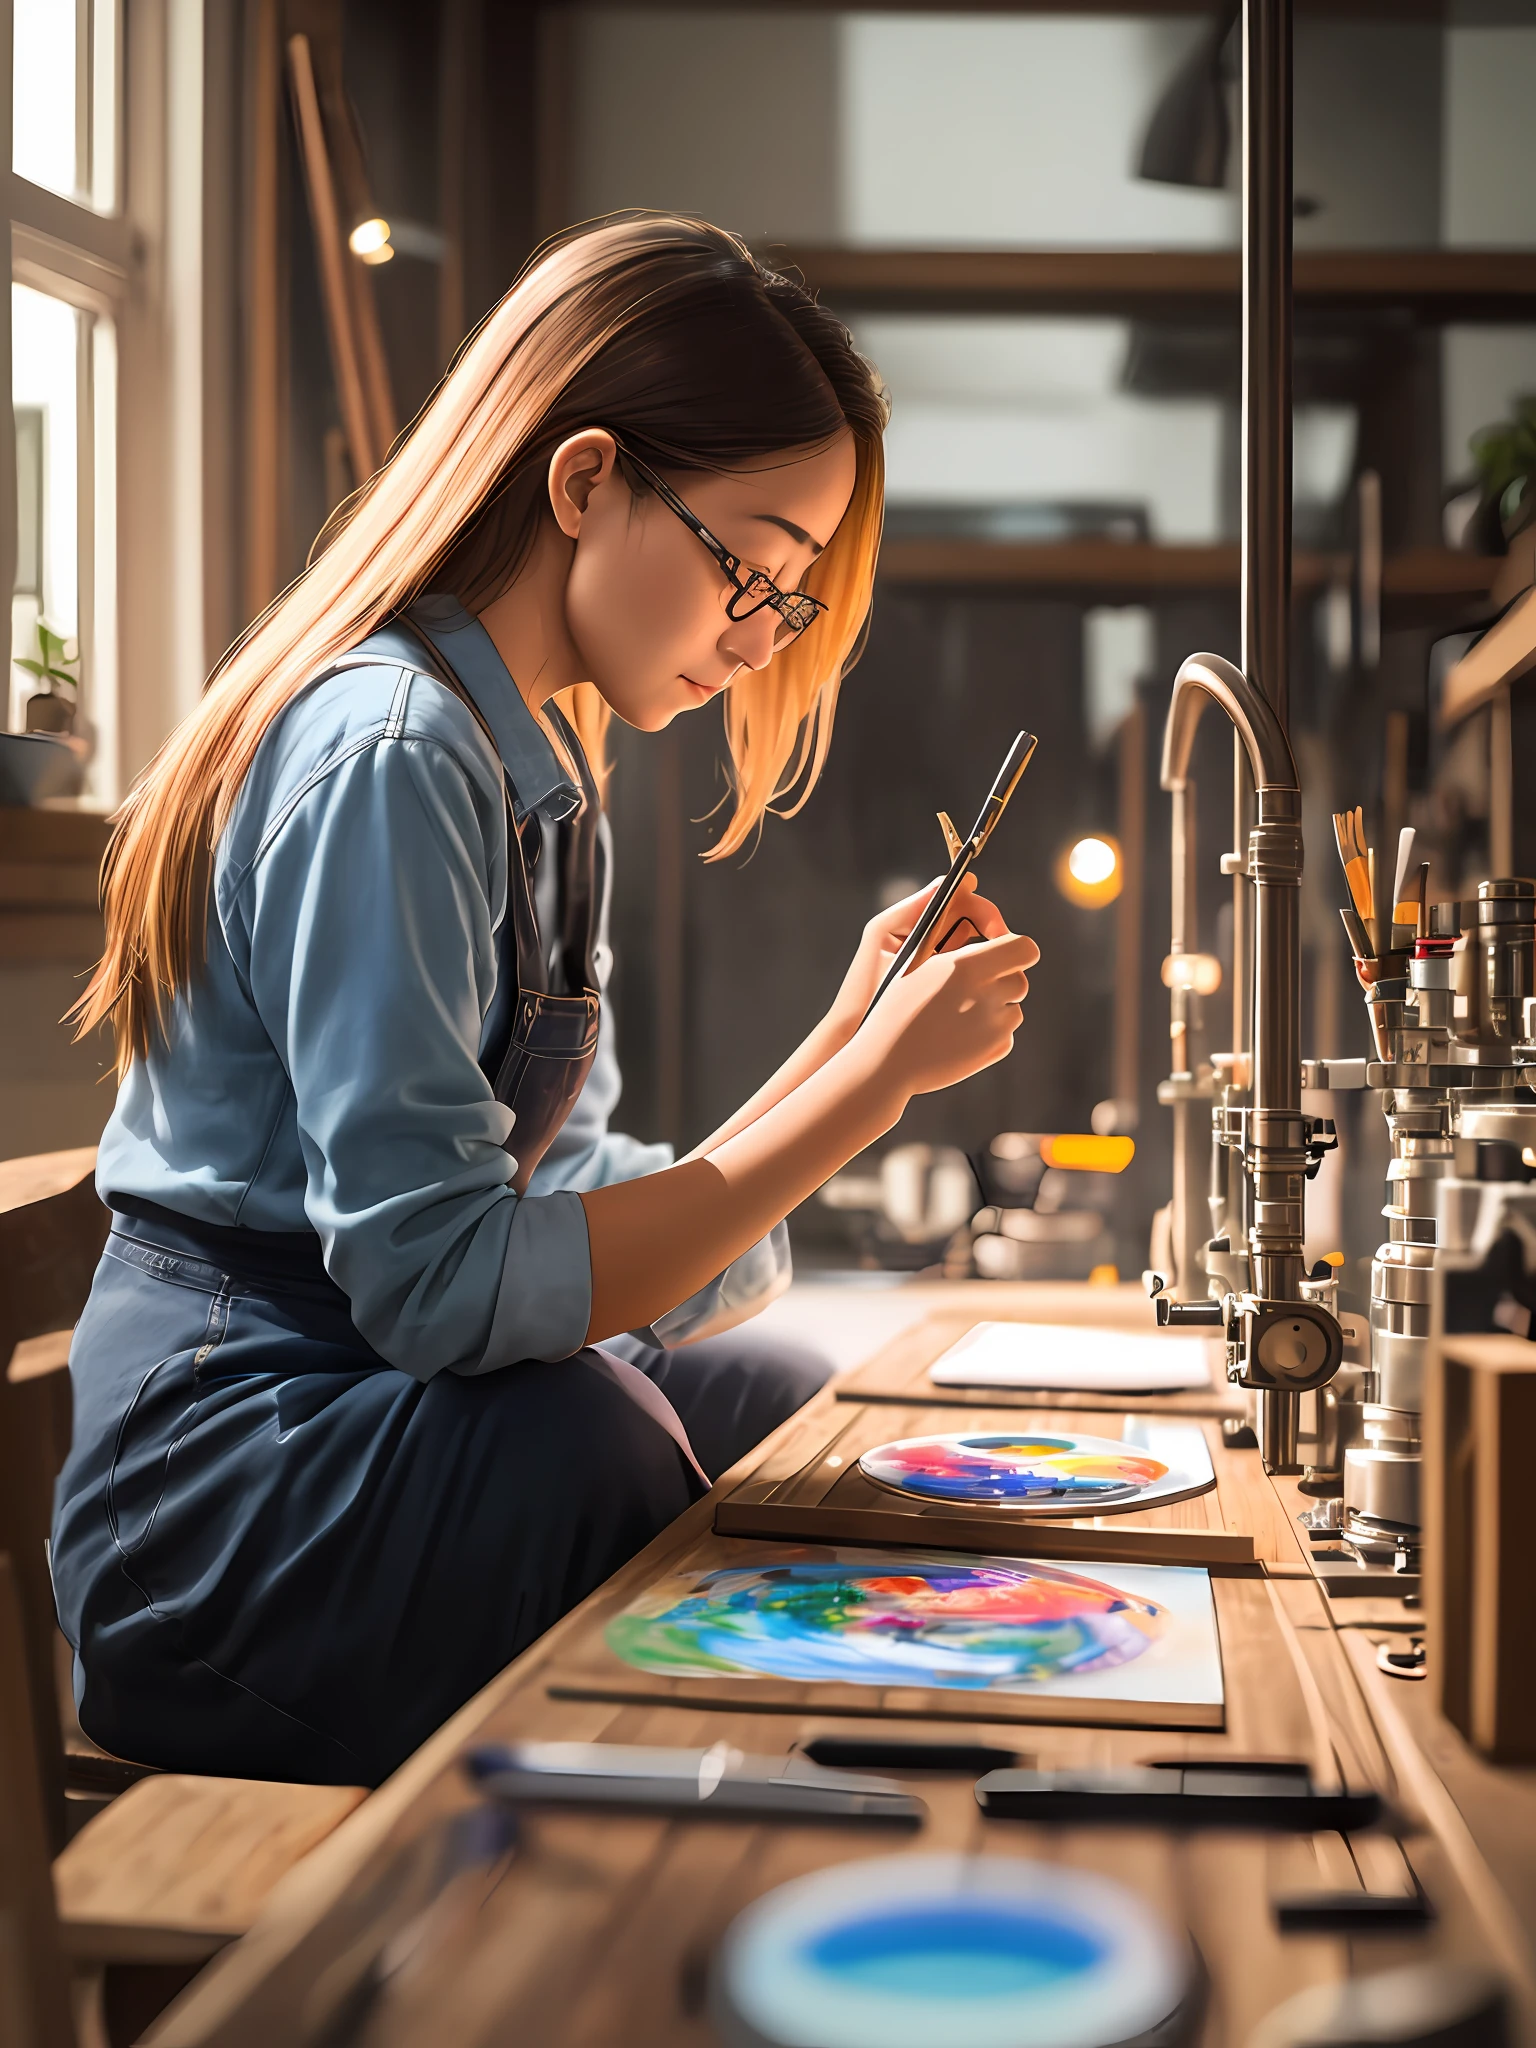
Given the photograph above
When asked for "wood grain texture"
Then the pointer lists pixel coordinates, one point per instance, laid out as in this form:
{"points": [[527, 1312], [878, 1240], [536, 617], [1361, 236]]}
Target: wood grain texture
{"points": [[34, 1996], [1437, 284], [828, 1499], [44, 1175], [1480, 1598], [52, 1228], [176, 1867], [602, 1928]]}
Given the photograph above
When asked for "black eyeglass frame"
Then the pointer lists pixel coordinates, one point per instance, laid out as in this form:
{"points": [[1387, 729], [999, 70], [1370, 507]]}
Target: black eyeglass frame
{"points": [[787, 603]]}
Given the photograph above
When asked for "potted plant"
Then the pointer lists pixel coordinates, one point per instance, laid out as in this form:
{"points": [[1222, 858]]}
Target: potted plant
{"points": [[53, 707]]}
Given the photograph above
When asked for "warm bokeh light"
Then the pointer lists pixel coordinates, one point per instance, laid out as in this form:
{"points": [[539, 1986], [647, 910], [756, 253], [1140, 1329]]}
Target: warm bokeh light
{"points": [[1092, 861], [1200, 972], [370, 240], [1087, 1152], [1090, 872]]}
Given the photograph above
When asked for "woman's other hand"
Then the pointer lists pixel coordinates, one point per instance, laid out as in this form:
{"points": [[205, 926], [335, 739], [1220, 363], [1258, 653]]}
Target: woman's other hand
{"points": [[887, 933], [953, 1015]]}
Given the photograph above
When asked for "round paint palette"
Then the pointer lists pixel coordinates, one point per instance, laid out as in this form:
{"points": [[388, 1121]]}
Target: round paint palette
{"points": [[926, 1951], [1045, 1471]]}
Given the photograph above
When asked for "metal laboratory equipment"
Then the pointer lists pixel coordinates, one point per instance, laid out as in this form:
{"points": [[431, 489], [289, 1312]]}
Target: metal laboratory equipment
{"points": [[1452, 1028], [1283, 1337], [1282, 1330]]}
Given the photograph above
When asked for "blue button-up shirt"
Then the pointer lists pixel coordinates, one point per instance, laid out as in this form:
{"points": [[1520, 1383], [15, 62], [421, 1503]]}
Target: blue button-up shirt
{"points": [[322, 1070]]}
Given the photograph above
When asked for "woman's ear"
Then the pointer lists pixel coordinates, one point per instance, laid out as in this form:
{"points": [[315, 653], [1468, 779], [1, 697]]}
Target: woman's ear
{"points": [[576, 469]]}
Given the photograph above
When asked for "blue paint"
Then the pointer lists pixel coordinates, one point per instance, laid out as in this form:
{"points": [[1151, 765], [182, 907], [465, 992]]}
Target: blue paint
{"points": [[954, 1950]]}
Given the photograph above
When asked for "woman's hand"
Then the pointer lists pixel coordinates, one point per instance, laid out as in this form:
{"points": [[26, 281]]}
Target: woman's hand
{"points": [[656, 1241], [885, 935], [953, 1015]]}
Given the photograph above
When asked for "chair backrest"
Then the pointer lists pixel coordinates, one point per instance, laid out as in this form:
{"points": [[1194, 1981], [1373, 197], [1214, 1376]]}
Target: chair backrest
{"points": [[52, 1229], [34, 1983]]}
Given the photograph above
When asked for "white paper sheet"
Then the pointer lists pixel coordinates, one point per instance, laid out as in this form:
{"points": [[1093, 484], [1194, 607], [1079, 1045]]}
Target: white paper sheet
{"points": [[1074, 1360]]}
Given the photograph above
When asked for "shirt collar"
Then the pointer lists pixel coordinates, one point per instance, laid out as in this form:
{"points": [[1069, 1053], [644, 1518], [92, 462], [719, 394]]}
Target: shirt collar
{"points": [[537, 775]]}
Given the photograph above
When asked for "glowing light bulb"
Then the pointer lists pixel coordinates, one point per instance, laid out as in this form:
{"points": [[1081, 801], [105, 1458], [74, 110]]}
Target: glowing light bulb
{"points": [[1090, 871], [1091, 861]]}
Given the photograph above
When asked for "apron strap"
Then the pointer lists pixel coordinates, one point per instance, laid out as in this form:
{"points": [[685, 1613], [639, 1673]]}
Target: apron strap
{"points": [[647, 1395]]}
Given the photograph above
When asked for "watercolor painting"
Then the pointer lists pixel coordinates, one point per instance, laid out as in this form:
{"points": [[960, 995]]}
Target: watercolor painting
{"points": [[1046, 1471], [977, 1624]]}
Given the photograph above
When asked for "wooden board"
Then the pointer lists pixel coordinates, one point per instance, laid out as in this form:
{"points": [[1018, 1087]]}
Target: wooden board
{"points": [[827, 1499], [592, 1671], [176, 1867], [1479, 1426], [601, 1928], [900, 1371]]}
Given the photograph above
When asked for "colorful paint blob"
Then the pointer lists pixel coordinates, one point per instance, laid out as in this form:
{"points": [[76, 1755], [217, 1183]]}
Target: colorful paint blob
{"points": [[868, 1619], [915, 1952], [1023, 1468]]}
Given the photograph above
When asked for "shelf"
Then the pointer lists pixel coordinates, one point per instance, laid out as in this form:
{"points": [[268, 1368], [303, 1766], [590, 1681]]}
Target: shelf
{"points": [[1421, 587], [1435, 284]]}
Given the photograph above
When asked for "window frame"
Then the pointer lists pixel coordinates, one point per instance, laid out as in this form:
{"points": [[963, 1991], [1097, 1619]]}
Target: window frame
{"points": [[85, 258]]}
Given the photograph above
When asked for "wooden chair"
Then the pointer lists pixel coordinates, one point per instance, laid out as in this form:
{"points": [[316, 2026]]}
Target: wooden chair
{"points": [[174, 1867], [34, 1983]]}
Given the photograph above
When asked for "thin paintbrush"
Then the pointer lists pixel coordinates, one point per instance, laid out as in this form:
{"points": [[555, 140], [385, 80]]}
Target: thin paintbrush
{"points": [[1421, 920], [1404, 907], [1380, 928], [1354, 866], [1359, 939]]}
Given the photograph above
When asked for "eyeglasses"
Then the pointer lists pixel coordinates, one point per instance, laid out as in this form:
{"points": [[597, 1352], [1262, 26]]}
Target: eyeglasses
{"points": [[751, 590]]}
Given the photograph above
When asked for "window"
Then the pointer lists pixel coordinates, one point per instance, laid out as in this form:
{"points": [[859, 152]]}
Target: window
{"points": [[69, 271], [63, 361], [64, 98]]}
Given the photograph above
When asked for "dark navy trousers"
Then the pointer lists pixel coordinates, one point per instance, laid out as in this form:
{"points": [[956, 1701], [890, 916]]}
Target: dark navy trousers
{"points": [[277, 1556]]}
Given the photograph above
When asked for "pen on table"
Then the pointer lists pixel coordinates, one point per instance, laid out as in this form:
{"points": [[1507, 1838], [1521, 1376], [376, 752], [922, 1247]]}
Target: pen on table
{"points": [[689, 1782]]}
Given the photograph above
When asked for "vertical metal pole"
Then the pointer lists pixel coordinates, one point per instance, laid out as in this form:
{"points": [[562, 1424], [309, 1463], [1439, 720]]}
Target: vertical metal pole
{"points": [[1277, 1154], [1267, 350]]}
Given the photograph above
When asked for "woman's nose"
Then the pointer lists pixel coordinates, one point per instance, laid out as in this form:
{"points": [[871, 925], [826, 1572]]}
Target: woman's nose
{"points": [[750, 641]]}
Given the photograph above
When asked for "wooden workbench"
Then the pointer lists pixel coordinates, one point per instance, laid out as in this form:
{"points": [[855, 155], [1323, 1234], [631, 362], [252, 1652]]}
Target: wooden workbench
{"points": [[598, 1929]]}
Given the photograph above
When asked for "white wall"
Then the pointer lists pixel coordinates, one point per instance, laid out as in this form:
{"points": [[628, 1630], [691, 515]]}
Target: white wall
{"points": [[959, 128], [1489, 201]]}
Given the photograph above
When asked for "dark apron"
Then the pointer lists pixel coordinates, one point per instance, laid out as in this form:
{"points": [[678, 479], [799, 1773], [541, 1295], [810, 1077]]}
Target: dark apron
{"points": [[540, 1046]]}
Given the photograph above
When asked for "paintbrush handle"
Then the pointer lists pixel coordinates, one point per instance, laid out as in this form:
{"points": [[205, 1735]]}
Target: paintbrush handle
{"points": [[1357, 874]]}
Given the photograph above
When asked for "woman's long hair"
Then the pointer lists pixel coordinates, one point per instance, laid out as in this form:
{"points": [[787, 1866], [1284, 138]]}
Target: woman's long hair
{"points": [[661, 328]]}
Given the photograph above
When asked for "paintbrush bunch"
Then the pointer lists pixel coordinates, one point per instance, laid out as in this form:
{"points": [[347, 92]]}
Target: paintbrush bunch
{"points": [[1405, 919]]}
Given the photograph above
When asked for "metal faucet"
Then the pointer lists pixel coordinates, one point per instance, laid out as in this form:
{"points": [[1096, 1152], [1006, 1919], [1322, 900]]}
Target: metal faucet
{"points": [[1279, 1343]]}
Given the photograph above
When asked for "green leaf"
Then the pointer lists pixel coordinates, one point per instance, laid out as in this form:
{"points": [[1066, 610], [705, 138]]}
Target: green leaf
{"points": [[33, 668]]}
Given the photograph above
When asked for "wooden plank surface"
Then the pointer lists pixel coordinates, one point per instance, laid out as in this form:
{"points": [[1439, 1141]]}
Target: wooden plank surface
{"points": [[829, 1499], [176, 1867], [1437, 284], [900, 1371], [601, 1928]]}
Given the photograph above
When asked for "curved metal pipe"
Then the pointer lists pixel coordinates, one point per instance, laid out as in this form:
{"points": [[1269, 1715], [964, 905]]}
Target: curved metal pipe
{"points": [[1203, 676]]}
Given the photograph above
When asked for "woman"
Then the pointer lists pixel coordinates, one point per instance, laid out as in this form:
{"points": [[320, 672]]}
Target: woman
{"points": [[343, 1444]]}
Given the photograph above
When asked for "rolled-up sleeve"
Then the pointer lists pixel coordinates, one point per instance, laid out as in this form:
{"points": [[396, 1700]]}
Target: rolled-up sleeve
{"points": [[372, 961]]}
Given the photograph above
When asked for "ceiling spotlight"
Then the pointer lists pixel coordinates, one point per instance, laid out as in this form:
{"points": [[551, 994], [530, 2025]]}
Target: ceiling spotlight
{"points": [[1089, 871], [369, 241]]}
